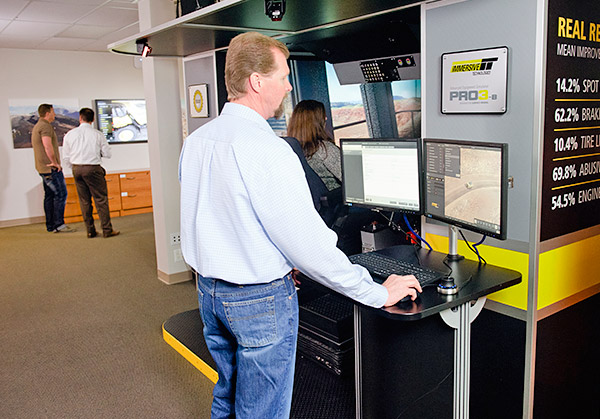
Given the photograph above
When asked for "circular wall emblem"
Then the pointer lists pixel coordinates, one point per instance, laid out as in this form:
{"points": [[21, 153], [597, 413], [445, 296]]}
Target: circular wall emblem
{"points": [[198, 101]]}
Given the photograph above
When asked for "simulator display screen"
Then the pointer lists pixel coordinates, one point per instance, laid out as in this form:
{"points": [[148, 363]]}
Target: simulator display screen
{"points": [[381, 173], [464, 184], [122, 121]]}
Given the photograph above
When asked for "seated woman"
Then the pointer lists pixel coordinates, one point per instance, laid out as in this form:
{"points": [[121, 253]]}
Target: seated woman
{"points": [[307, 124]]}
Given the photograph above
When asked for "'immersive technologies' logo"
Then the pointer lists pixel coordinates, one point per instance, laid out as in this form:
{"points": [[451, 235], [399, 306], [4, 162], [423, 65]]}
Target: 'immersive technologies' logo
{"points": [[481, 66]]}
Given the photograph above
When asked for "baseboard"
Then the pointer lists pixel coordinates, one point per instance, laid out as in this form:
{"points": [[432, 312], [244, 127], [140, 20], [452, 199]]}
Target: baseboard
{"points": [[22, 221], [507, 310], [568, 302], [175, 278]]}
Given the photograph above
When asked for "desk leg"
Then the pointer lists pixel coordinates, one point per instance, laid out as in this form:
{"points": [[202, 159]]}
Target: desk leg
{"points": [[460, 319], [357, 362]]}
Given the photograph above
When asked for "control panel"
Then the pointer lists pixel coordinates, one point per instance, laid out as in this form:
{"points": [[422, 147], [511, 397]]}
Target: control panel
{"points": [[385, 69]]}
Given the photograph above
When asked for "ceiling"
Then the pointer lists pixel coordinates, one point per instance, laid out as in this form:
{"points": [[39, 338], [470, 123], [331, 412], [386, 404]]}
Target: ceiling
{"points": [[74, 25], [333, 30]]}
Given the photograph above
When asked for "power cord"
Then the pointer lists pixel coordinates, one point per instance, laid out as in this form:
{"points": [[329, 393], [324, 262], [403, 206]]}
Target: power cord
{"points": [[437, 386], [474, 246], [397, 227], [415, 233]]}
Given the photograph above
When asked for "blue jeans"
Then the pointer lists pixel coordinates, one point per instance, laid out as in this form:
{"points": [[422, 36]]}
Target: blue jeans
{"points": [[251, 333], [55, 198]]}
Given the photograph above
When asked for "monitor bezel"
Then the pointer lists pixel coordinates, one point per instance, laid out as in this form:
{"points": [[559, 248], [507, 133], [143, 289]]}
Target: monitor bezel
{"points": [[418, 141], [503, 148]]}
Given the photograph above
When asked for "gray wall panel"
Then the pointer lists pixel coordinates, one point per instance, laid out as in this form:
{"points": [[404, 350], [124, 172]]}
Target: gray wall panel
{"points": [[198, 71], [480, 24]]}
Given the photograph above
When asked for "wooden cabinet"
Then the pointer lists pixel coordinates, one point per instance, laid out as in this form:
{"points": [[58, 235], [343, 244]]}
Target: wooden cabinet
{"points": [[72, 208], [128, 193], [114, 192], [135, 191]]}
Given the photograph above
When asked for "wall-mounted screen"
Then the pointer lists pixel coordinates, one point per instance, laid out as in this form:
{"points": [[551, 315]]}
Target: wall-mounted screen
{"points": [[122, 120], [382, 173], [466, 184]]}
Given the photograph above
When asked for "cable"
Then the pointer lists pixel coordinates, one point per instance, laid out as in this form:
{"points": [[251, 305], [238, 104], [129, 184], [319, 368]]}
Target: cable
{"points": [[445, 262], [474, 248], [397, 227], [477, 244], [437, 386], [391, 222], [415, 233]]}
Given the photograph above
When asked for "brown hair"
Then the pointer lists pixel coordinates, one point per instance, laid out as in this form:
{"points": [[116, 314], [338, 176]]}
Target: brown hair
{"points": [[248, 53], [86, 114], [307, 124], [43, 109]]}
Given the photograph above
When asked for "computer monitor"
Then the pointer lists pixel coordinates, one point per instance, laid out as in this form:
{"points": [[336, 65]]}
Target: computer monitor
{"points": [[122, 120], [465, 184], [382, 173]]}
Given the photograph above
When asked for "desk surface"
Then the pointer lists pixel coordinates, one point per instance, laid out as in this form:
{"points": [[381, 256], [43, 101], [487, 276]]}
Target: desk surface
{"points": [[474, 280]]}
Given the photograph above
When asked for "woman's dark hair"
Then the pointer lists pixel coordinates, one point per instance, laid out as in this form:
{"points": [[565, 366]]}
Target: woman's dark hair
{"points": [[307, 124]]}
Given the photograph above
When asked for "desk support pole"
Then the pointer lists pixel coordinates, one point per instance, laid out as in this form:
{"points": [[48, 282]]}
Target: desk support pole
{"points": [[462, 363], [357, 362], [460, 319]]}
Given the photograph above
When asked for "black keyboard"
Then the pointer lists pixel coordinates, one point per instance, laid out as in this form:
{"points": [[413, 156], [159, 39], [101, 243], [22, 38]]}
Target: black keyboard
{"points": [[383, 266]]}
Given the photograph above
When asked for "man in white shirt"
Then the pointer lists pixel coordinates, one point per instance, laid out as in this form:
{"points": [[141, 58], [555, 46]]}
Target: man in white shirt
{"points": [[247, 219], [83, 149]]}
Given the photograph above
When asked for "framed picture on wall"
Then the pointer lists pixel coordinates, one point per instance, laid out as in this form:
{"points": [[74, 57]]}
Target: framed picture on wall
{"points": [[198, 100], [24, 115], [474, 81]]}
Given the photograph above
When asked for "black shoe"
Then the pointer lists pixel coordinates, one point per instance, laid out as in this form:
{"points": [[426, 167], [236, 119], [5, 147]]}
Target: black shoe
{"points": [[92, 235], [111, 234]]}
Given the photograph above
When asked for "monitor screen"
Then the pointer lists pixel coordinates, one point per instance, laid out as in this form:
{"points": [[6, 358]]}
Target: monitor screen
{"points": [[382, 173], [466, 184], [122, 121]]}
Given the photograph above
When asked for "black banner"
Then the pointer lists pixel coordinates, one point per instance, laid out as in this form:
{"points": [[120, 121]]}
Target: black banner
{"points": [[571, 162]]}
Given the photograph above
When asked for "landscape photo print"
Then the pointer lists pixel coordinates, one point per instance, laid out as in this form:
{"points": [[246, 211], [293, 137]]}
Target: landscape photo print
{"points": [[24, 115]]}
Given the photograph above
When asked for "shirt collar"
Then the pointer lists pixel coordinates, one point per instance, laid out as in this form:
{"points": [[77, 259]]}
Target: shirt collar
{"points": [[242, 111]]}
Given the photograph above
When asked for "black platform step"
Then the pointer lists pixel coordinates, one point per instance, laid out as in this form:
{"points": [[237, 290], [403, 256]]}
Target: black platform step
{"points": [[317, 392]]}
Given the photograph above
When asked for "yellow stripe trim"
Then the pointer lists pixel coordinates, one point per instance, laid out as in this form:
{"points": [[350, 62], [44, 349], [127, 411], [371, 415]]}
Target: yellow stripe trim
{"points": [[574, 129], [575, 184], [191, 357], [575, 157], [577, 100], [515, 296], [568, 270]]}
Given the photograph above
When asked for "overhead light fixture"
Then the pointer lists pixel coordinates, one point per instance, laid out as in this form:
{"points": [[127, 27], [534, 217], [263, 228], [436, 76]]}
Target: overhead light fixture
{"points": [[143, 48], [146, 50], [275, 9]]}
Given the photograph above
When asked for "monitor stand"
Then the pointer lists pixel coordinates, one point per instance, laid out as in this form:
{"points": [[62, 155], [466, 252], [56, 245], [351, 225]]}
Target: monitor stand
{"points": [[447, 286]]}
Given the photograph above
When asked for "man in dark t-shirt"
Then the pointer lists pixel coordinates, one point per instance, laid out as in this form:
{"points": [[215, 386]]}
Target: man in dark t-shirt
{"points": [[47, 163]]}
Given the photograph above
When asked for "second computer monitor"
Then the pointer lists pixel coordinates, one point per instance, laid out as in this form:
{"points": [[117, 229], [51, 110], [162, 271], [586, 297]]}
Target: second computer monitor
{"points": [[382, 173], [466, 184]]}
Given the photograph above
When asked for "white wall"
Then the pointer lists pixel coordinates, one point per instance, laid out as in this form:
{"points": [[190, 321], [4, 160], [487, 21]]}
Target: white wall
{"points": [[35, 74]]}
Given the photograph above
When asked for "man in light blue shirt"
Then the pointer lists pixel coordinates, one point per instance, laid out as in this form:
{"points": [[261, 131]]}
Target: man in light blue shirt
{"points": [[247, 219]]}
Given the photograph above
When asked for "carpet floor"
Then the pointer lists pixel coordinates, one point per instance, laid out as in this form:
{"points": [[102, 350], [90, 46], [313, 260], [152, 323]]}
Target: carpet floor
{"points": [[80, 327]]}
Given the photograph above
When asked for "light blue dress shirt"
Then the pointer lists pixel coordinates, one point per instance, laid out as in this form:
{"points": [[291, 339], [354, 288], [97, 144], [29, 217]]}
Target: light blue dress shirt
{"points": [[247, 215]]}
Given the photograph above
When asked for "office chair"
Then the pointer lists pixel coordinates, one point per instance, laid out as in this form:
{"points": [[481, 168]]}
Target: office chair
{"points": [[316, 185]]}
